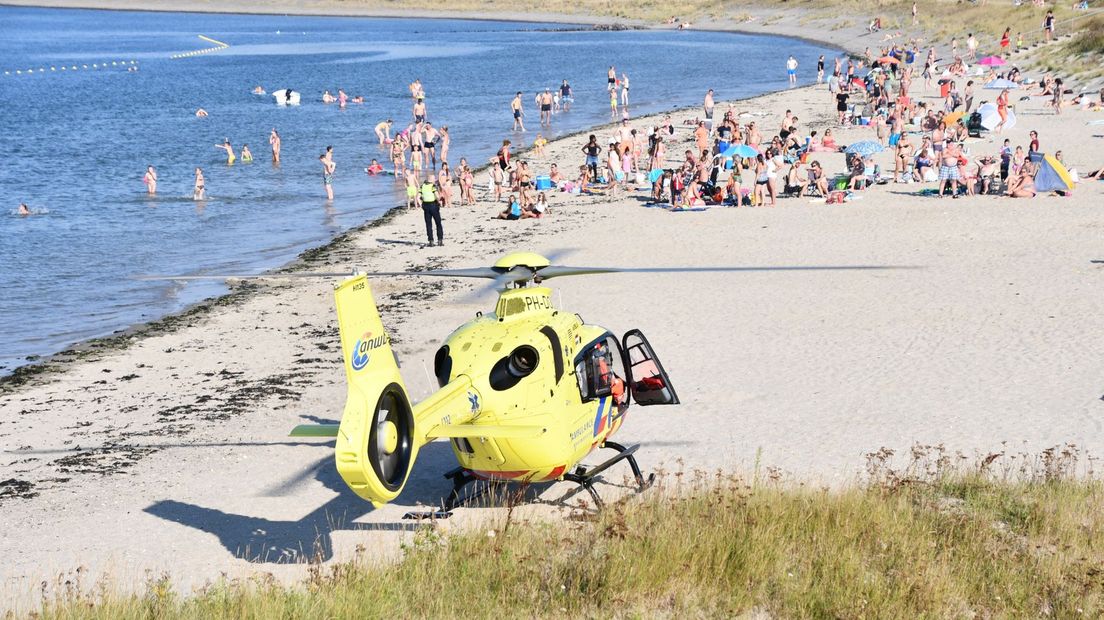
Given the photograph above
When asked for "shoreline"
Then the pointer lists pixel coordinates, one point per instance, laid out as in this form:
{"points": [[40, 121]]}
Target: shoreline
{"points": [[12, 379]]}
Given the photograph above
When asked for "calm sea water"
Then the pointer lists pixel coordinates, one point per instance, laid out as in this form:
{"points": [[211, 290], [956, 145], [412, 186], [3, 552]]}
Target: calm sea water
{"points": [[76, 143]]}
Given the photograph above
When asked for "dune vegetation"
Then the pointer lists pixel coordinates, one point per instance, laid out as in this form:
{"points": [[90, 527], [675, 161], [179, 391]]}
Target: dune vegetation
{"points": [[1008, 536]]}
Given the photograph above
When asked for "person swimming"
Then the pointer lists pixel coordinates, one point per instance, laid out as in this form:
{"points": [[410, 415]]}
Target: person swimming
{"points": [[246, 156], [201, 113], [23, 209], [374, 168]]}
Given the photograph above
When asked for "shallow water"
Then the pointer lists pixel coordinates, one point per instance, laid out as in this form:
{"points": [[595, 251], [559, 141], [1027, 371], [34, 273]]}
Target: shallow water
{"points": [[76, 142]]}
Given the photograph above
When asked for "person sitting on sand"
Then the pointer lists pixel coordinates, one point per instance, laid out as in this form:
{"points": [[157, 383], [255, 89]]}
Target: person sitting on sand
{"points": [[539, 208], [513, 210], [1023, 184], [922, 168]]}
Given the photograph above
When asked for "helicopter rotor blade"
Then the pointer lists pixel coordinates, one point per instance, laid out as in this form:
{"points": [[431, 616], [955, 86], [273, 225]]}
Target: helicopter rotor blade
{"points": [[556, 271], [259, 276]]}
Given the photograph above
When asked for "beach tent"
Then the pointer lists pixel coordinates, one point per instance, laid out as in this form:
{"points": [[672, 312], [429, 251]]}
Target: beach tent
{"points": [[990, 118], [1052, 176]]}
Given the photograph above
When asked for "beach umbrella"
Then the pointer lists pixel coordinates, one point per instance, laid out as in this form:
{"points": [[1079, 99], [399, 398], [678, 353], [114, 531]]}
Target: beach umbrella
{"points": [[992, 61], [1052, 176], [990, 118], [866, 148], [1001, 84], [887, 60], [953, 118], [739, 150]]}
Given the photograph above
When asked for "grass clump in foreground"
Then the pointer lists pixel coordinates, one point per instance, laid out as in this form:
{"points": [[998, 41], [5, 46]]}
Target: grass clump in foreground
{"points": [[929, 540]]}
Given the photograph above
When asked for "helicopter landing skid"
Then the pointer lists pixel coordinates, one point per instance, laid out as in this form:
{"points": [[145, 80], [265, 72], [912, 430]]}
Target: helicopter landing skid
{"points": [[582, 476], [460, 478], [585, 477]]}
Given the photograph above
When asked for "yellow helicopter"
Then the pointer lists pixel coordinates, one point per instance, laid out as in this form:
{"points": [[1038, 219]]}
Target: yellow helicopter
{"points": [[526, 392]]}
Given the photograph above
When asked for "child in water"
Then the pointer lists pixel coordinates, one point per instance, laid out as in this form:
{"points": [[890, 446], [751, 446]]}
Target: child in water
{"points": [[374, 168], [247, 157]]}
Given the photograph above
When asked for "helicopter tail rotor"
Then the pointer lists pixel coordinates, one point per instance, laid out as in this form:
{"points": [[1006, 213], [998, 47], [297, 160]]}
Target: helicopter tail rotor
{"points": [[376, 441]]}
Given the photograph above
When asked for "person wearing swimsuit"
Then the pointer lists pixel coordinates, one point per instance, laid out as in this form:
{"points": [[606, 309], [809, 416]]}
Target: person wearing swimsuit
{"points": [[274, 140], [1002, 110], [515, 107], [198, 189], [504, 155], [328, 168], [230, 157], [150, 180]]}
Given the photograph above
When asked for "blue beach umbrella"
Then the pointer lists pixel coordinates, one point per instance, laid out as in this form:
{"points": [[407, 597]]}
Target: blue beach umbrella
{"points": [[1001, 84], [739, 150], [865, 148]]}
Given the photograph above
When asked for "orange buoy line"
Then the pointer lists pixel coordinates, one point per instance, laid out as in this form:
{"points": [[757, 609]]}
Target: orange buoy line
{"points": [[128, 64], [219, 45]]}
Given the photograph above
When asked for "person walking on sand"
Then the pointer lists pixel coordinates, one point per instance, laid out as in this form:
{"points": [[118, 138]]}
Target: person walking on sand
{"points": [[820, 69], [431, 211], [444, 139], [328, 167], [383, 131], [230, 156], [515, 107], [1002, 110], [199, 189], [150, 180], [1048, 25], [915, 14], [274, 140], [791, 69], [708, 105]]}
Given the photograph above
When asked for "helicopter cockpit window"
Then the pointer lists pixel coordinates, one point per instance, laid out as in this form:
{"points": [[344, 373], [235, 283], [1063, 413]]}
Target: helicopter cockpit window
{"points": [[601, 372]]}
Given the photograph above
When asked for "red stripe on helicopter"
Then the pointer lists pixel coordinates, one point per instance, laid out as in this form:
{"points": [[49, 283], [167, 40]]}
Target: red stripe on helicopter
{"points": [[556, 473]]}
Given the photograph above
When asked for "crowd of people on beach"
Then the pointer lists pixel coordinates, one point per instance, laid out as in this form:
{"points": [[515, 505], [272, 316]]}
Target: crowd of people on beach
{"points": [[735, 159]]}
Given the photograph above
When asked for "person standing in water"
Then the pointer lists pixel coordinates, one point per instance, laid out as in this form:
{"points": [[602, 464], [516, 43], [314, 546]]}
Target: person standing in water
{"points": [[383, 131], [328, 167], [791, 69], [247, 156], [274, 140], [198, 190], [150, 180], [611, 79], [546, 108], [443, 140], [230, 157], [566, 97], [625, 89], [515, 107]]}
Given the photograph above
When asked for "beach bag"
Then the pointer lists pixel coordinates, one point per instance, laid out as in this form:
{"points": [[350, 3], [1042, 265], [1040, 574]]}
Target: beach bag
{"points": [[841, 184]]}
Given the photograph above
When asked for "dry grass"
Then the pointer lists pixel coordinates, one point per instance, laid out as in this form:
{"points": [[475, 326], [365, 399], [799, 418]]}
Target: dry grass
{"points": [[1009, 536]]}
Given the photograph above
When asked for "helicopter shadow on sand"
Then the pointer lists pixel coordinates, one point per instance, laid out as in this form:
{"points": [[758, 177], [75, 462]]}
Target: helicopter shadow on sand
{"points": [[308, 539]]}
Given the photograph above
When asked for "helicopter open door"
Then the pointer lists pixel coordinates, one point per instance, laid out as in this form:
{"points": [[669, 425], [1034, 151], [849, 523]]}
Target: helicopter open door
{"points": [[648, 382]]}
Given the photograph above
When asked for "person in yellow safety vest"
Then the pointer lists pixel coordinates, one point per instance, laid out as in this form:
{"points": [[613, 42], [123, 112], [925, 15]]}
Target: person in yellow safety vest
{"points": [[431, 211]]}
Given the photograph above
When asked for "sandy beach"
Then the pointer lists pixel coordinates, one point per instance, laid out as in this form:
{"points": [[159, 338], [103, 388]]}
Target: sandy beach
{"points": [[170, 456]]}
